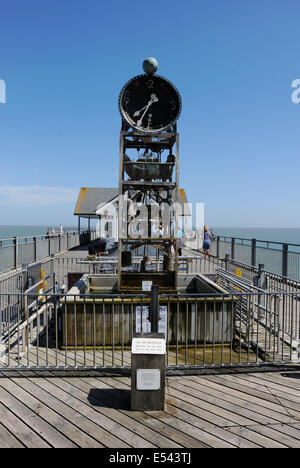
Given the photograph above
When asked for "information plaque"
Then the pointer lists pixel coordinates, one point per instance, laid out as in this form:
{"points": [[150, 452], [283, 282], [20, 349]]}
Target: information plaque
{"points": [[148, 379], [148, 346]]}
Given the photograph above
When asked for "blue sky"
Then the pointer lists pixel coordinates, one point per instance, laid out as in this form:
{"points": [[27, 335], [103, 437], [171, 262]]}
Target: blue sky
{"points": [[64, 63]]}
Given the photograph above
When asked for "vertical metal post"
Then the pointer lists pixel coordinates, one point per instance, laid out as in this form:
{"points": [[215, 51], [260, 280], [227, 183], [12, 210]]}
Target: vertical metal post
{"points": [[253, 252], [154, 309], [176, 219], [227, 257], [24, 282], [285, 249], [261, 276], [15, 252], [261, 283], [122, 210], [218, 247], [232, 247], [34, 249], [49, 245]]}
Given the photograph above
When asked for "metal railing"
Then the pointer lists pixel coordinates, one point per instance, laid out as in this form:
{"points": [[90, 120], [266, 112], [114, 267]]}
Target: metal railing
{"points": [[94, 331], [278, 257], [19, 250]]}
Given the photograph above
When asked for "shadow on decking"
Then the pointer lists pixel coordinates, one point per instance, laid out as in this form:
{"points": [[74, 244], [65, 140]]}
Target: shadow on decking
{"points": [[291, 375], [110, 397]]}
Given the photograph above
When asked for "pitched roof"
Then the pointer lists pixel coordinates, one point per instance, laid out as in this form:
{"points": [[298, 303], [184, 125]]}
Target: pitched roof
{"points": [[90, 198]]}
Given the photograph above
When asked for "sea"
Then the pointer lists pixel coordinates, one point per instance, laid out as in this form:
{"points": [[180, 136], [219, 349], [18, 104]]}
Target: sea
{"points": [[284, 235], [6, 232]]}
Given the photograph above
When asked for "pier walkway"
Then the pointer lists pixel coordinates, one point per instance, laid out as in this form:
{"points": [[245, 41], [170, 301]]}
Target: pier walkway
{"points": [[221, 410], [254, 406]]}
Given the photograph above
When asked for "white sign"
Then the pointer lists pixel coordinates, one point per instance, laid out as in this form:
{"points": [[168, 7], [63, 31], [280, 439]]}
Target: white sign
{"points": [[146, 286], [148, 379], [148, 346]]}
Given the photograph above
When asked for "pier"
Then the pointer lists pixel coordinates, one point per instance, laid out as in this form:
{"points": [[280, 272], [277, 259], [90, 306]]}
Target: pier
{"points": [[222, 410], [225, 373], [237, 394]]}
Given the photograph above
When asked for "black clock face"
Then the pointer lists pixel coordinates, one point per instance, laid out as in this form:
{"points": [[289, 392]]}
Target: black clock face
{"points": [[150, 103]]}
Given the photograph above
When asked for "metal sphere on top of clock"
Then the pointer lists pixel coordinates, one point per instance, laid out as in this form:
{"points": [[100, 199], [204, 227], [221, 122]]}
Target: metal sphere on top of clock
{"points": [[149, 103]]}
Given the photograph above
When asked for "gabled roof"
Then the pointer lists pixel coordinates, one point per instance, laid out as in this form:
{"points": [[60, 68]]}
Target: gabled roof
{"points": [[90, 198]]}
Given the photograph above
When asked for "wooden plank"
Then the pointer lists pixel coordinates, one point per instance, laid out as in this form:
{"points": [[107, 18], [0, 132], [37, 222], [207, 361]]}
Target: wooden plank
{"points": [[30, 415], [250, 434], [278, 383], [287, 399], [261, 414], [109, 418], [291, 379], [30, 394], [232, 381], [200, 400], [195, 406], [173, 419], [233, 409], [220, 384], [291, 429], [79, 401], [214, 431], [273, 432], [23, 435], [99, 437], [8, 440], [163, 430], [213, 435]]}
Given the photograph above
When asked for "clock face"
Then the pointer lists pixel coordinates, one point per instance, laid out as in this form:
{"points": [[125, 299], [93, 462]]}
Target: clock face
{"points": [[149, 103]]}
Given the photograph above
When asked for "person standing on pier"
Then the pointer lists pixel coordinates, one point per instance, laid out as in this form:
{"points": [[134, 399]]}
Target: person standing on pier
{"points": [[180, 245], [206, 241]]}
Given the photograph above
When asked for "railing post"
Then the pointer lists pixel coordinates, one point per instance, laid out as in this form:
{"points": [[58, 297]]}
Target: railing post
{"points": [[261, 284], [154, 309], [261, 276], [49, 244], [35, 249], [227, 258], [232, 247], [285, 249], [24, 283], [15, 252], [253, 252], [218, 247]]}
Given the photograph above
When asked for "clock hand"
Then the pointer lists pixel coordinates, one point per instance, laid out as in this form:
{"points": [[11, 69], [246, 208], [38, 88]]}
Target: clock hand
{"points": [[153, 99], [137, 113]]}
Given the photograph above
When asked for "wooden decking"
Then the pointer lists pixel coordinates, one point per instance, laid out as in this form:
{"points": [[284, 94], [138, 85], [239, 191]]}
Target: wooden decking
{"points": [[246, 410]]}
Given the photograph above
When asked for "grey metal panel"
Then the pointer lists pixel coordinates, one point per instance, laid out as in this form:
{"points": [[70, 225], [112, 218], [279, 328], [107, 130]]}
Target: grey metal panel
{"points": [[6, 258], [26, 253], [42, 248]]}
